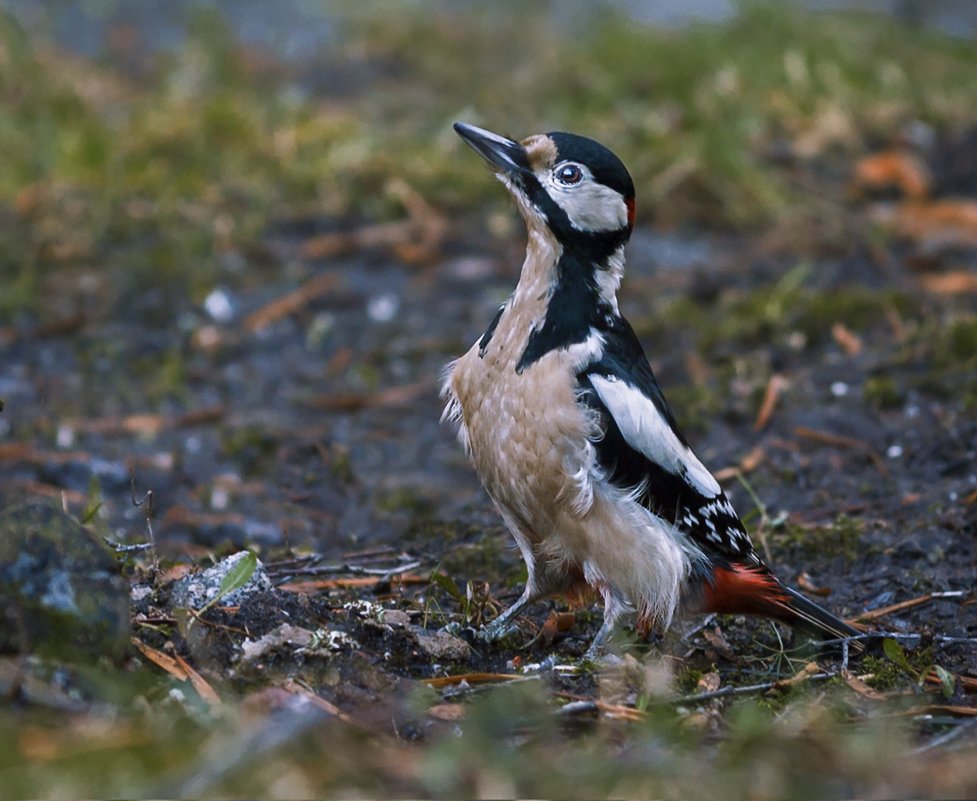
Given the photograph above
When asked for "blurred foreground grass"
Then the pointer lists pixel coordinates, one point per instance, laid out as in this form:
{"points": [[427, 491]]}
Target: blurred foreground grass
{"points": [[511, 742], [172, 171]]}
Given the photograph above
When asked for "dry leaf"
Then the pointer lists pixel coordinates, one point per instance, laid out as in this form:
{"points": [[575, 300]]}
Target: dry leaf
{"points": [[894, 168], [718, 641], [448, 712], [200, 684], [805, 583], [846, 339], [955, 282], [709, 682], [800, 676], [165, 661], [557, 623], [941, 223], [861, 687]]}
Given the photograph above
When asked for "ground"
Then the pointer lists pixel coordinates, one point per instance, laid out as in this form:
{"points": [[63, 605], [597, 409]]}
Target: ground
{"points": [[229, 294]]}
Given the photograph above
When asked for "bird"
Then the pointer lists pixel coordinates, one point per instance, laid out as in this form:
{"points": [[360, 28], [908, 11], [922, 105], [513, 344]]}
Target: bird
{"points": [[570, 432]]}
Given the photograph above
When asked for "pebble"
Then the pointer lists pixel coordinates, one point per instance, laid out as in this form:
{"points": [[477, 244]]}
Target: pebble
{"points": [[196, 590]]}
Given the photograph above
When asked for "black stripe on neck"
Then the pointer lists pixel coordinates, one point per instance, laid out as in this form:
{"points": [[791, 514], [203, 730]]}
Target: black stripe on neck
{"points": [[573, 311]]}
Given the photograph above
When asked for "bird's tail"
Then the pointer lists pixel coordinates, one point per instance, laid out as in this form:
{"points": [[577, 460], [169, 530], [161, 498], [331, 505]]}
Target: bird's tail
{"points": [[751, 589], [804, 613]]}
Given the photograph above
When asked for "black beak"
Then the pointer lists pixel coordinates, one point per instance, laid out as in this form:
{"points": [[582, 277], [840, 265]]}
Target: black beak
{"points": [[502, 153]]}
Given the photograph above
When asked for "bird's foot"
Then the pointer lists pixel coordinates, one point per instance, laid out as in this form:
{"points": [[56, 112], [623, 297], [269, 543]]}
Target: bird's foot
{"points": [[497, 630]]}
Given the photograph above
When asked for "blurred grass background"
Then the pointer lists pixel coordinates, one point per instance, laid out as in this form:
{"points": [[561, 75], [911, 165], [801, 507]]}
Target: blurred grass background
{"points": [[161, 162]]}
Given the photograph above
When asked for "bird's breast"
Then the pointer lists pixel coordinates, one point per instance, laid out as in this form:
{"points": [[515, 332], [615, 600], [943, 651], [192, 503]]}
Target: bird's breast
{"points": [[527, 432]]}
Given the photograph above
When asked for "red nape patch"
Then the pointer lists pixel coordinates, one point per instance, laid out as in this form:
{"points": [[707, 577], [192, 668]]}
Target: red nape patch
{"points": [[629, 202], [740, 589]]}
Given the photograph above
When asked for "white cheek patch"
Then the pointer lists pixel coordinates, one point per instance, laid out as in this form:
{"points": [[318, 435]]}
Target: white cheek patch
{"points": [[645, 430], [589, 205]]}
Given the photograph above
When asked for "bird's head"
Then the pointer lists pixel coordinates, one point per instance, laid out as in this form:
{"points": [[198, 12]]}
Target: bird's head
{"points": [[572, 186]]}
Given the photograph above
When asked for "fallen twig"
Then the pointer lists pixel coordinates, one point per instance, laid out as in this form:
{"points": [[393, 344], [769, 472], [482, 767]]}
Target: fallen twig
{"points": [[355, 570], [119, 548], [471, 678], [148, 424], [587, 706], [875, 614], [947, 737], [294, 687], [342, 583], [291, 302], [415, 240], [838, 441], [746, 465], [940, 709], [846, 339], [775, 388], [804, 675], [385, 398]]}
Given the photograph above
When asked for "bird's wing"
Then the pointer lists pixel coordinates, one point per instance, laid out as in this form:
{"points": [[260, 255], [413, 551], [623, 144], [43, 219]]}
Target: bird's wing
{"points": [[642, 447]]}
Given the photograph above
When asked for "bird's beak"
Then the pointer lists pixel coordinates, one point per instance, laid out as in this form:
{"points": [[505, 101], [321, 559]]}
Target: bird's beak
{"points": [[504, 154]]}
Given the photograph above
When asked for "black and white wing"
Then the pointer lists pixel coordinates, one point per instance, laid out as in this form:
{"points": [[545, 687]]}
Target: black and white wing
{"points": [[642, 447]]}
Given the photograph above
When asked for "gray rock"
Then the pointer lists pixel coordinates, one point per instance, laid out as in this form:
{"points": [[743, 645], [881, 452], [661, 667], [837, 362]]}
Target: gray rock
{"points": [[440, 645], [196, 590], [62, 594], [285, 636]]}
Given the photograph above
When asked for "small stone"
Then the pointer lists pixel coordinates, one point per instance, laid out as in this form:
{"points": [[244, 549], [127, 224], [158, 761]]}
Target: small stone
{"points": [[441, 645], [197, 589], [396, 618], [383, 308], [219, 306], [287, 635], [140, 592]]}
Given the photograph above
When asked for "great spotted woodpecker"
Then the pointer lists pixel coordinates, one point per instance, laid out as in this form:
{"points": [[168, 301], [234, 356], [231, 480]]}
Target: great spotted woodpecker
{"points": [[569, 430]]}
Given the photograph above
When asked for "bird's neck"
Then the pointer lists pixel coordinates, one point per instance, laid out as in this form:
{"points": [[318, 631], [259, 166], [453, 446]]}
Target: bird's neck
{"points": [[555, 272], [567, 297]]}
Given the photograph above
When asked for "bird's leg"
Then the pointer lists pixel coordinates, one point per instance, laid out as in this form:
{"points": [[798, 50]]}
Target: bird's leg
{"points": [[543, 580], [502, 626], [614, 607]]}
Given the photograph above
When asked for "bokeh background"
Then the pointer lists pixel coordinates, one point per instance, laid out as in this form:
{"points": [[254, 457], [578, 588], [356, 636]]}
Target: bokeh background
{"points": [[239, 241]]}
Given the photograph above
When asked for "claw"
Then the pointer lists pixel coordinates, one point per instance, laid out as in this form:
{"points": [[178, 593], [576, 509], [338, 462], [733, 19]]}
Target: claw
{"points": [[497, 630]]}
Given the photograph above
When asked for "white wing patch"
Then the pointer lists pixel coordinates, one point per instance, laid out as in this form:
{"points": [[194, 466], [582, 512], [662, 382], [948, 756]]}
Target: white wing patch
{"points": [[645, 430]]}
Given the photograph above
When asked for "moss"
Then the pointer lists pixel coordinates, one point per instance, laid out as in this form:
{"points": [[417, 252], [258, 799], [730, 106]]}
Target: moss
{"points": [[687, 680], [961, 340], [252, 447], [843, 538], [403, 499], [882, 392]]}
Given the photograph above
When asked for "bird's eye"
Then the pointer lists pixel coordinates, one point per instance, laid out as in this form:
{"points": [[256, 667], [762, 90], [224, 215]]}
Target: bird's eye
{"points": [[569, 174]]}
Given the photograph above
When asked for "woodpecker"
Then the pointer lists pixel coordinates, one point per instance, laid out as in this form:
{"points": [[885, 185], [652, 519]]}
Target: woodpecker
{"points": [[569, 430]]}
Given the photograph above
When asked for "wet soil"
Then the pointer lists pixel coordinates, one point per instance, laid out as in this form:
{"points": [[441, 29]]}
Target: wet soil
{"points": [[320, 430]]}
